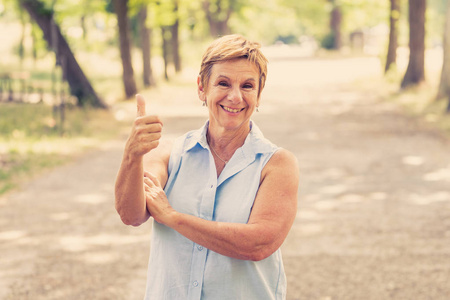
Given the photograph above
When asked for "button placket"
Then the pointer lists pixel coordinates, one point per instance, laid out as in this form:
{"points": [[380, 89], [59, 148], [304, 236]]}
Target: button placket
{"points": [[206, 211]]}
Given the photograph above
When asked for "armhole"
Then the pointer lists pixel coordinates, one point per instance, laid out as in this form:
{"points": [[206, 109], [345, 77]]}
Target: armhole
{"points": [[174, 161], [266, 160], [269, 156]]}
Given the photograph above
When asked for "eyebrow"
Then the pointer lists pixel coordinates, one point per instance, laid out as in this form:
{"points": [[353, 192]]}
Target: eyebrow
{"points": [[226, 77]]}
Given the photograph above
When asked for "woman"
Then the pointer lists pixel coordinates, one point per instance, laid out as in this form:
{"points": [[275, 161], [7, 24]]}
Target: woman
{"points": [[223, 197]]}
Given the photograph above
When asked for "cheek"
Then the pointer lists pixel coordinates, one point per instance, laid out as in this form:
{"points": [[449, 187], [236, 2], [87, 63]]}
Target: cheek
{"points": [[251, 97], [215, 95]]}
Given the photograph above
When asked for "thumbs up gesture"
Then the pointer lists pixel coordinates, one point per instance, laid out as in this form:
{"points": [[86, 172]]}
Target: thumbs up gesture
{"points": [[145, 133]]}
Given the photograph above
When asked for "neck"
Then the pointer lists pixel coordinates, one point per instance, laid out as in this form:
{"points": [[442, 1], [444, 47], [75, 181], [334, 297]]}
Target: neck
{"points": [[227, 140]]}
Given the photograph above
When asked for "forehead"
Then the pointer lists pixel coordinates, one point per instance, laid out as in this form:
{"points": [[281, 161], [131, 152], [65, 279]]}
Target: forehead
{"points": [[236, 68]]}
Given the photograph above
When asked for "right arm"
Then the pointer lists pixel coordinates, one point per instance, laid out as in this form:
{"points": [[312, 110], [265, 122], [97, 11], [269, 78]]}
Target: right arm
{"points": [[141, 149]]}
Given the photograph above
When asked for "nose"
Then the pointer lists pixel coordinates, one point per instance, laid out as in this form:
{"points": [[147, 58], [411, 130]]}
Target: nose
{"points": [[235, 95]]}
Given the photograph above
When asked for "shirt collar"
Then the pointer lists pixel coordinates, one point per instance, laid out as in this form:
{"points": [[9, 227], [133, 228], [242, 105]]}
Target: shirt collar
{"points": [[198, 137], [254, 143]]}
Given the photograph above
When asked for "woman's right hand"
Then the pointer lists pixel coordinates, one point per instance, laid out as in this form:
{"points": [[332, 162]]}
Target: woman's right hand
{"points": [[145, 133]]}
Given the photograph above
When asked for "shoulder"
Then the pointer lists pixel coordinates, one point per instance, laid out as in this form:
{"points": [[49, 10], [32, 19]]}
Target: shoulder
{"points": [[282, 164], [283, 157]]}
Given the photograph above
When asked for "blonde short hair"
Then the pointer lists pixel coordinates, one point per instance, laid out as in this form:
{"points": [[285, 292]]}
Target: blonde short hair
{"points": [[231, 47]]}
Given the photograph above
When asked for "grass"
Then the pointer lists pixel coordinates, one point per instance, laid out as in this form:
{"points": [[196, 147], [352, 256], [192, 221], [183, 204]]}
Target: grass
{"points": [[418, 100], [421, 101], [33, 139]]}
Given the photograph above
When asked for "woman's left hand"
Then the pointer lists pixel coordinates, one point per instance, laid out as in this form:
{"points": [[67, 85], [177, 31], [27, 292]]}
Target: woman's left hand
{"points": [[157, 203]]}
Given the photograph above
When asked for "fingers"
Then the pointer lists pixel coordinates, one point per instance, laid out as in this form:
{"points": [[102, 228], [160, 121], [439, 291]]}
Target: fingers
{"points": [[148, 184], [148, 124], [140, 101], [145, 132], [151, 179]]}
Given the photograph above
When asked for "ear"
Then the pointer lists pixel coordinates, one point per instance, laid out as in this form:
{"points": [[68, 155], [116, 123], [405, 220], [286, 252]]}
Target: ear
{"points": [[200, 89]]}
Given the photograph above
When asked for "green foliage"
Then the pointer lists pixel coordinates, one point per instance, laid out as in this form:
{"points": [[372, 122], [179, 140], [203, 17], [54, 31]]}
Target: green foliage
{"points": [[16, 167], [267, 21], [16, 119], [328, 41], [37, 121], [360, 14], [31, 139], [435, 19], [311, 17]]}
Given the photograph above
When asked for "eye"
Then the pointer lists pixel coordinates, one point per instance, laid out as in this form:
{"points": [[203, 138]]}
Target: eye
{"points": [[223, 83], [248, 86]]}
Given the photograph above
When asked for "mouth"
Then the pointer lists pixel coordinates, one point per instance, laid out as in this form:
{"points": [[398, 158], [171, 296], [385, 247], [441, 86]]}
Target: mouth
{"points": [[232, 110]]}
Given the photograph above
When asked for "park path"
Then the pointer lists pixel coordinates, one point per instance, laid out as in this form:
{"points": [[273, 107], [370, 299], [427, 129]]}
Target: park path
{"points": [[374, 198]]}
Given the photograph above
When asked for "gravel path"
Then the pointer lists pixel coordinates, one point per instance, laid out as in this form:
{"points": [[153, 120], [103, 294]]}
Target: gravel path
{"points": [[374, 213]]}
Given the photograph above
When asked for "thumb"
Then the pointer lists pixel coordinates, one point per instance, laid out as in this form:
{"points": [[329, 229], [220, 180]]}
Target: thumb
{"points": [[140, 105]]}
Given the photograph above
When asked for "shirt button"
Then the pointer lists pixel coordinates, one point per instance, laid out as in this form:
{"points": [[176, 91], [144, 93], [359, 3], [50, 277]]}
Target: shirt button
{"points": [[195, 283], [200, 248], [212, 185]]}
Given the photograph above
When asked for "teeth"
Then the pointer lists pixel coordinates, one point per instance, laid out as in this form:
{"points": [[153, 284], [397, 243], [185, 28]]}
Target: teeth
{"points": [[231, 110]]}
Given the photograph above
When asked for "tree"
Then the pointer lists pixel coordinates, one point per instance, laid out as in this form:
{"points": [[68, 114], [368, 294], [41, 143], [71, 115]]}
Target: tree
{"points": [[444, 86], [78, 82], [165, 34], [121, 9], [391, 58], [218, 13], [21, 49], [415, 73], [335, 25], [168, 20], [145, 34], [175, 41]]}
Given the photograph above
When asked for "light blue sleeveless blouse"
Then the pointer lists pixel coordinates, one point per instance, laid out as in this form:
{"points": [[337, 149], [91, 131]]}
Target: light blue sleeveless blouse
{"points": [[180, 269]]}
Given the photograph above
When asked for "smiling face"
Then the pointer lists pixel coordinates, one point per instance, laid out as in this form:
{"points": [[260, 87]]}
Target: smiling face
{"points": [[231, 94]]}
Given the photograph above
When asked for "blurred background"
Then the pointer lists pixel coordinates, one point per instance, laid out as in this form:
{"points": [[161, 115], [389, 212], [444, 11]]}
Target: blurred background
{"points": [[72, 56], [358, 90]]}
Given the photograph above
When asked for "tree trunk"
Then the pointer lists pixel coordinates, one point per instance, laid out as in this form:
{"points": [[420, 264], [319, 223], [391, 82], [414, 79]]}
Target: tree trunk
{"points": [[217, 19], [121, 9], [145, 34], [79, 84], [34, 41], [391, 58], [83, 27], [165, 33], [335, 25], [175, 39], [22, 38], [444, 86], [415, 73]]}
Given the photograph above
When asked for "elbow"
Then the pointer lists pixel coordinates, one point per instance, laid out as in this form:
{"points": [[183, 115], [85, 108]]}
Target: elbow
{"points": [[258, 248], [257, 252], [131, 221], [128, 219], [260, 254]]}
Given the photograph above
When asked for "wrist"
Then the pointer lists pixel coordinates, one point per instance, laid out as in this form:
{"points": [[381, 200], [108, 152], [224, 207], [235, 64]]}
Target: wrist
{"points": [[132, 158], [172, 219]]}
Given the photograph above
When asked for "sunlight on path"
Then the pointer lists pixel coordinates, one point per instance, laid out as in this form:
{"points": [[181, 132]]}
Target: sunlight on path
{"points": [[374, 209]]}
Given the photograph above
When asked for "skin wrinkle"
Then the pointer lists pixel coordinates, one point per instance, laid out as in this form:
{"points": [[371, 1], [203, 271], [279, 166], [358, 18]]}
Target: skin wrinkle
{"points": [[233, 84], [235, 74], [264, 232], [231, 88]]}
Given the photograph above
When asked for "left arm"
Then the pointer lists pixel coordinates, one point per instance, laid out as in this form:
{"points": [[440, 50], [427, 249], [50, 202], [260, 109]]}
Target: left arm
{"points": [[271, 218]]}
